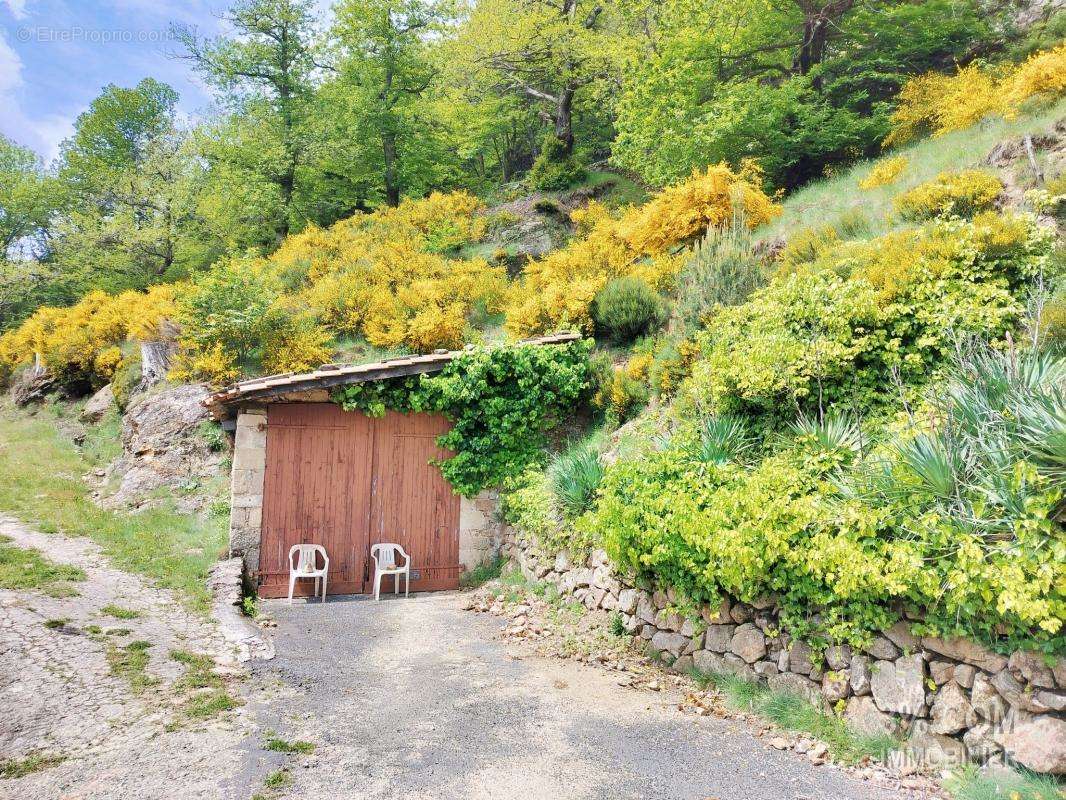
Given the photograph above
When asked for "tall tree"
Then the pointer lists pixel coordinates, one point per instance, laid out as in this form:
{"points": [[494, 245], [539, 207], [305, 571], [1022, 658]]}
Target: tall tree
{"points": [[383, 74], [131, 217], [546, 50], [28, 199], [264, 73], [115, 133]]}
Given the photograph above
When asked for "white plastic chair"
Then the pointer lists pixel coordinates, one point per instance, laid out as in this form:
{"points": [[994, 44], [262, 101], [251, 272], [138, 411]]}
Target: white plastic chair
{"points": [[307, 566], [384, 556]]}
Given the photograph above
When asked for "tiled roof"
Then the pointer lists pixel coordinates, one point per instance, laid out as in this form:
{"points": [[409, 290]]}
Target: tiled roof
{"points": [[330, 375]]}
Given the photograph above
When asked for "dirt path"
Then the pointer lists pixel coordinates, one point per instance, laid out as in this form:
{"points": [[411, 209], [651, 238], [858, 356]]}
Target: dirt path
{"points": [[417, 699], [59, 696]]}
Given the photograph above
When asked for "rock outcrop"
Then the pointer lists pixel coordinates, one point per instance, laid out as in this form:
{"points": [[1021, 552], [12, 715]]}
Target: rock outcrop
{"points": [[165, 454]]}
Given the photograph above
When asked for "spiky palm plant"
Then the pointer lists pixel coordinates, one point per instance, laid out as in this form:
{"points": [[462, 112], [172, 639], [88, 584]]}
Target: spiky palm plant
{"points": [[574, 476], [834, 432], [722, 438]]}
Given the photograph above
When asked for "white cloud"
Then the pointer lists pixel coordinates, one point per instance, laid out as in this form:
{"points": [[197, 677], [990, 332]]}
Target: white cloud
{"points": [[17, 8], [42, 134], [10, 67]]}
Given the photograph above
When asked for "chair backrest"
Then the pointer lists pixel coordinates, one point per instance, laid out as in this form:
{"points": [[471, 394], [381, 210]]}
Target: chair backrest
{"points": [[384, 555], [308, 557]]}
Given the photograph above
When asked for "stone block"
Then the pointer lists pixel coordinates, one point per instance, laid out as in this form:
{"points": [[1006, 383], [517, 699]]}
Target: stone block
{"points": [[899, 686], [718, 637], [966, 650], [748, 642]]}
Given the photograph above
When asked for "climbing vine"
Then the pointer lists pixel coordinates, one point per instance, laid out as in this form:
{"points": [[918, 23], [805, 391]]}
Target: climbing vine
{"points": [[501, 402]]}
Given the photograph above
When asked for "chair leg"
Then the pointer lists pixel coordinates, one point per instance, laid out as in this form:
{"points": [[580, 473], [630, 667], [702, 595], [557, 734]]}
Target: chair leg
{"points": [[292, 585], [377, 586], [396, 583], [324, 578], [407, 584]]}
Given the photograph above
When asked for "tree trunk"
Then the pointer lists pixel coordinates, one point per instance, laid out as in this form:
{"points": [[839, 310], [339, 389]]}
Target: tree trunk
{"points": [[155, 362], [392, 188], [564, 114]]}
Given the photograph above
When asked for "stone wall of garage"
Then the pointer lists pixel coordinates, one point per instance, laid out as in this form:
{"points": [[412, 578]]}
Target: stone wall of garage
{"points": [[480, 530], [246, 486], [953, 699]]}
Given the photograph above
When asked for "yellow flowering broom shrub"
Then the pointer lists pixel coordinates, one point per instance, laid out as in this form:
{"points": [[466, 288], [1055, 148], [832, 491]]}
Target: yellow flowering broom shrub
{"points": [[80, 344], [950, 194], [557, 290], [1043, 74], [884, 172], [937, 103]]}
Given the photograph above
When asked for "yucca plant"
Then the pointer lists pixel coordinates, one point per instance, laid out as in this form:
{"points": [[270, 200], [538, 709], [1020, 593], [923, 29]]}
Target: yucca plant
{"points": [[574, 476], [833, 433], [722, 438]]}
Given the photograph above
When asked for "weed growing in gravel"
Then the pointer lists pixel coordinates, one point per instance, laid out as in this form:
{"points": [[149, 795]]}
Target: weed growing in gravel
{"points": [[482, 574], [35, 762], [794, 713], [120, 613], [1017, 784], [278, 745], [53, 624], [131, 664], [60, 590], [278, 780], [618, 625], [26, 568], [207, 695]]}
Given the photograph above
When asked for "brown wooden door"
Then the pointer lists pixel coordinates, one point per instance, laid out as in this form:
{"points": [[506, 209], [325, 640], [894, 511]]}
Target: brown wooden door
{"points": [[412, 505], [345, 481], [316, 490]]}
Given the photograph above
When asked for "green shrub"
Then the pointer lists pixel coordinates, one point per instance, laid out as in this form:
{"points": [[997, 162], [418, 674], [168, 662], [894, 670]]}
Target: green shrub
{"points": [[554, 168], [724, 270], [833, 332], [500, 400], [574, 476], [960, 194], [627, 308]]}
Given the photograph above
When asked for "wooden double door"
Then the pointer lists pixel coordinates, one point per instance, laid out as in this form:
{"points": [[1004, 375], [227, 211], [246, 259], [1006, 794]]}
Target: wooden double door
{"points": [[346, 481]]}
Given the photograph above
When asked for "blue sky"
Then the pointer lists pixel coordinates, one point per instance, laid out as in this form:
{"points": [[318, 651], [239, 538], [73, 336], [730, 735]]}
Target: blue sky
{"points": [[56, 56]]}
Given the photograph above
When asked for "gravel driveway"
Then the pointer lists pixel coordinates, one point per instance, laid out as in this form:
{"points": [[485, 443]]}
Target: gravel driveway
{"points": [[415, 699]]}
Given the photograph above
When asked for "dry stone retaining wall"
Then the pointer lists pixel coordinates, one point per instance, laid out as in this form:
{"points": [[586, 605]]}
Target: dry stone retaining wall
{"points": [[953, 699]]}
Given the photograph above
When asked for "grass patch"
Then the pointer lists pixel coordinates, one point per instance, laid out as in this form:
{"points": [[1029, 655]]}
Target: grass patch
{"points": [[970, 784], [207, 694], [103, 441], [482, 574], [120, 613], [26, 568], [53, 624], [35, 762], [834, 200], [131, 664], [41, 483], [794, 713], [278, 780], [60, 590], [278, 745]]}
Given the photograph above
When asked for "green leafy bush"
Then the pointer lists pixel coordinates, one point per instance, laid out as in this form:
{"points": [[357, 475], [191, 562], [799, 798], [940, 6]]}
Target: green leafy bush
{"points": [[833, 331], [500, 401], [554, 168], [627, 308]]}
